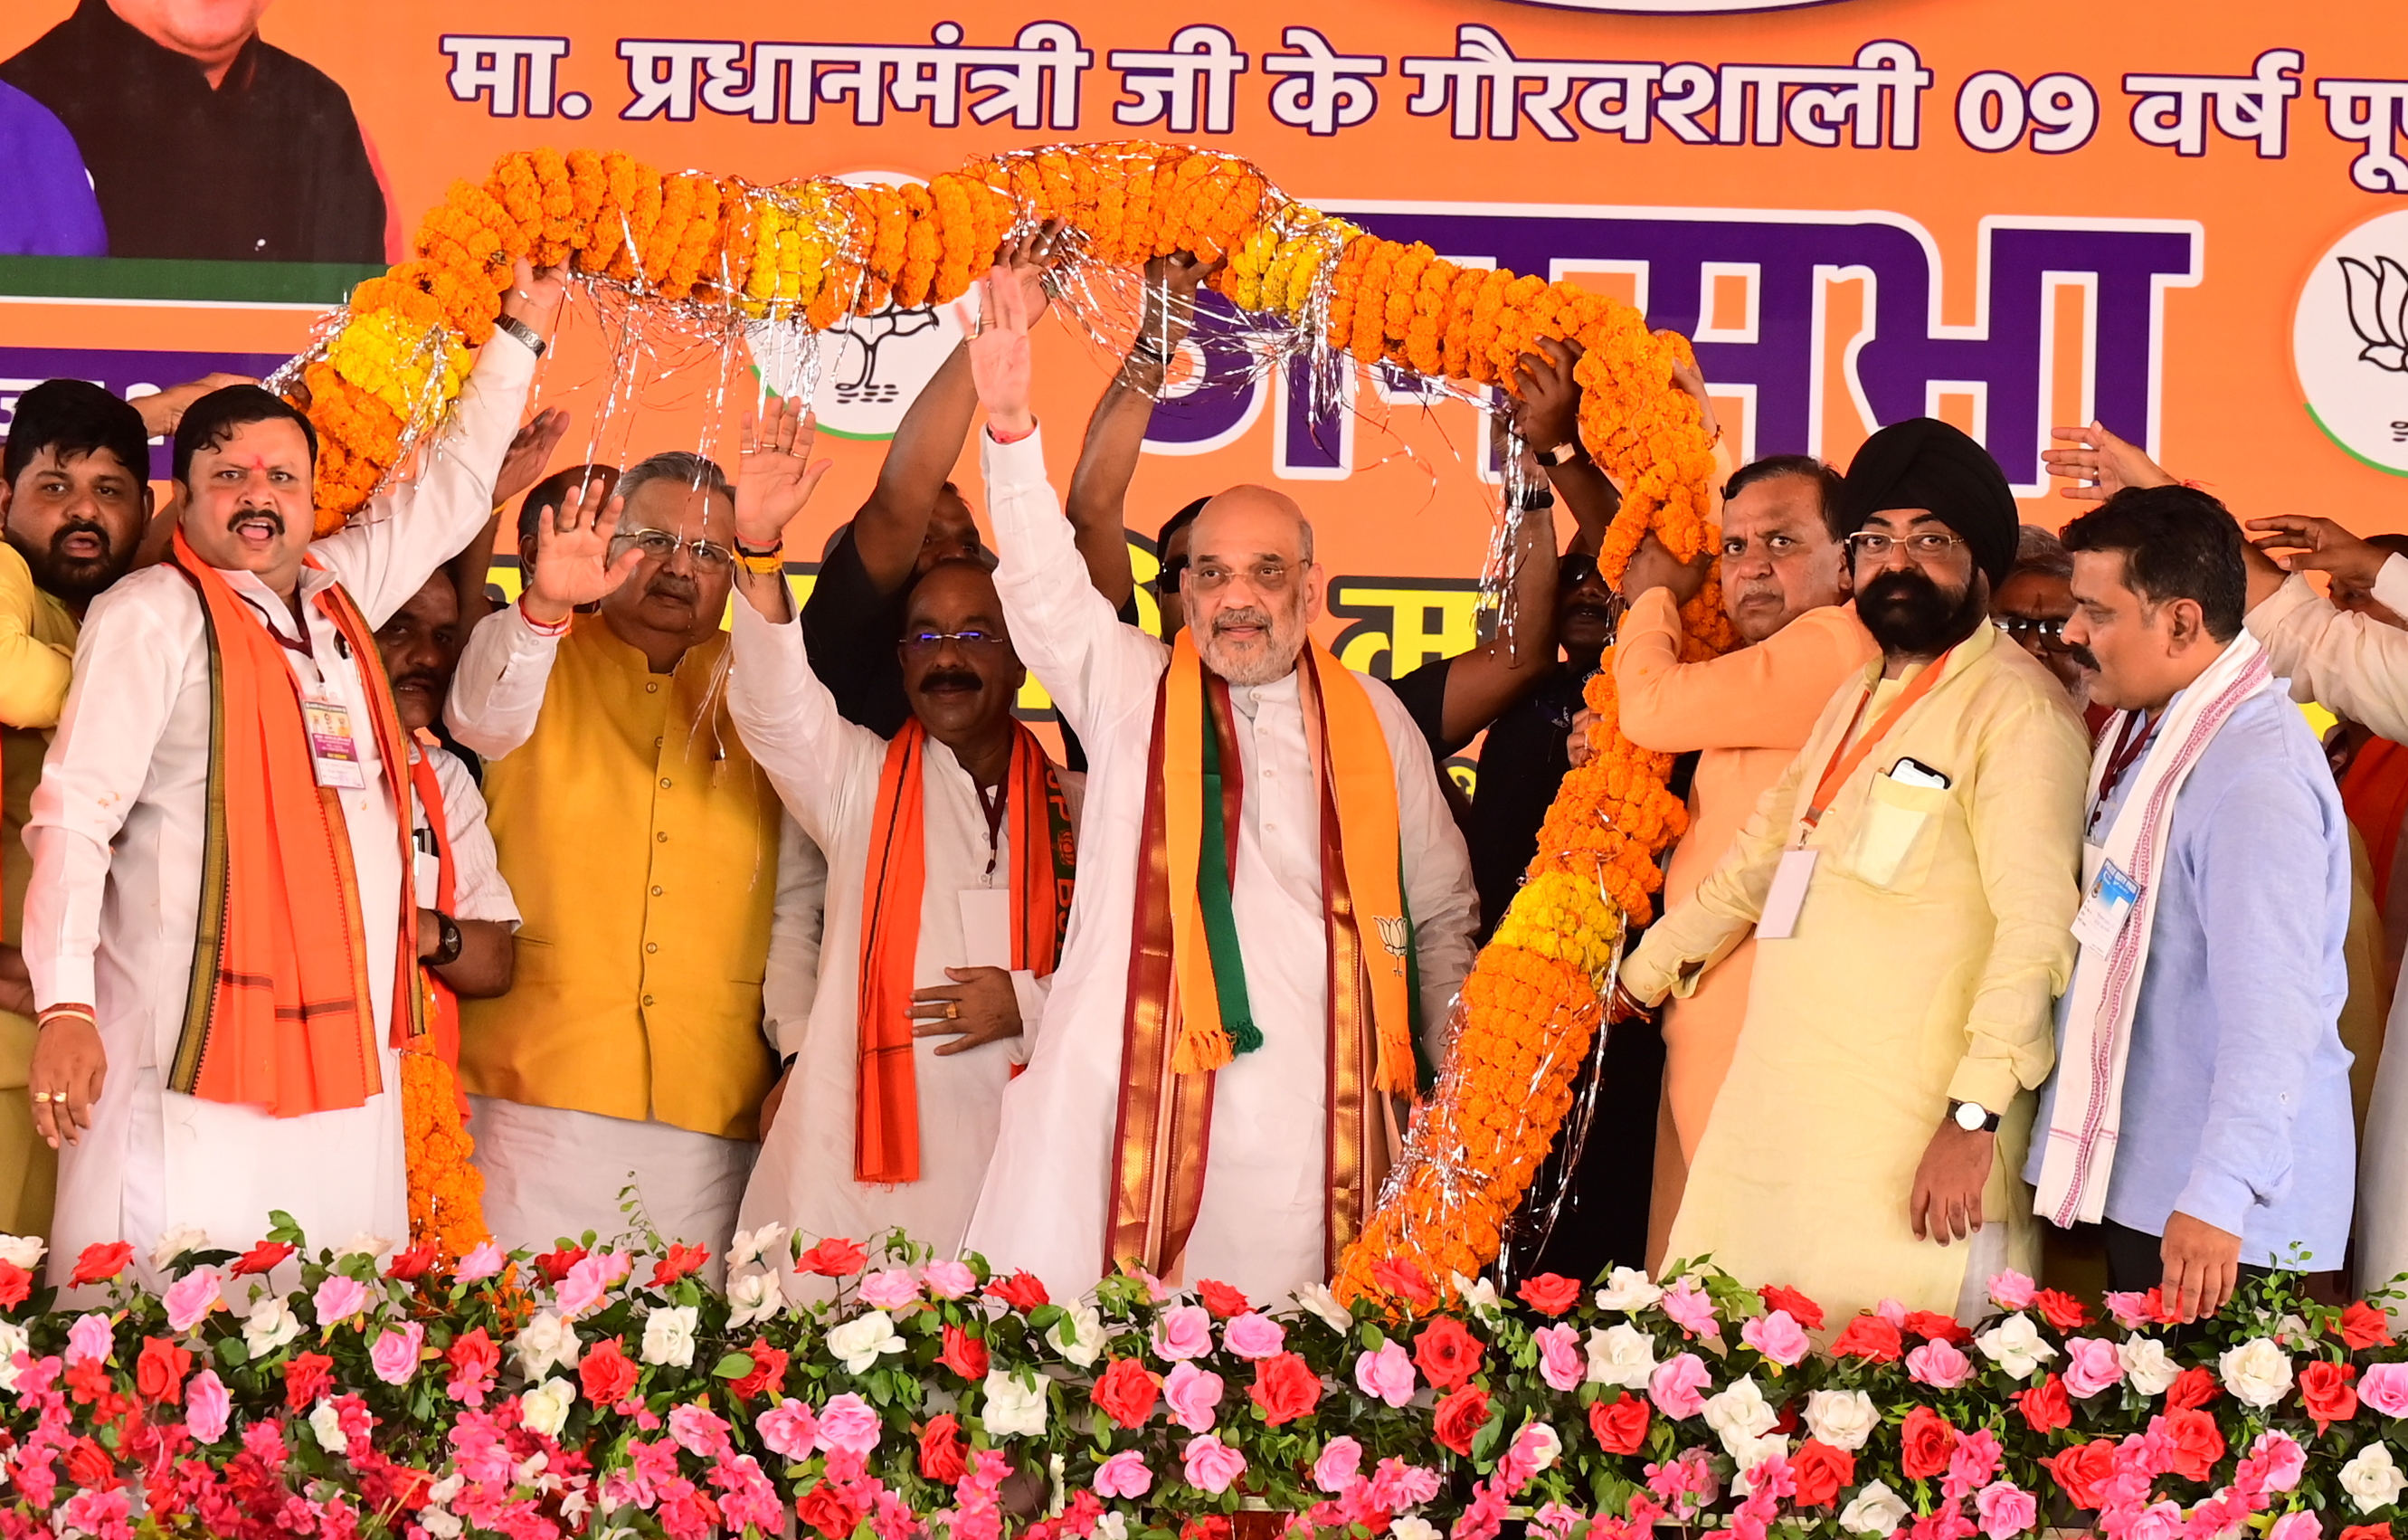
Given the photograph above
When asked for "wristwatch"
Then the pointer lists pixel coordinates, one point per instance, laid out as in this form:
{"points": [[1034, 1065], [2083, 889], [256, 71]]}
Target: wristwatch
{"points": [[448, 941], [1973, 1117], [1562, 454], [524, 332]]}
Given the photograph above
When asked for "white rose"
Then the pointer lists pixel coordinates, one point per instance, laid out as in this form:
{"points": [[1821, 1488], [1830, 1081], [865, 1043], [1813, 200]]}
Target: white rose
{"points": [[1620, 1355], [14, 1339], [362, 1245], [269, 1325], [178, 1239], [1627, 1288], [1479, 1298], [545, 1408], [437, 1524], [861, 1341], [754, 1297], [1013, 1407], [1741, 1414], [446, 1489], [24, 1250], [544, 1343], [2371, 1481], [326, 1427], [750, 1246], [1547, 1445], [1877, 1510], [2015, 1346], [668, 1336], [1321, 1303], [1112, 1526], [1079, 1335], [2257, 1373], [2146, 1364], [1409, 1528], [1841, 1418], [1750, 1454]]}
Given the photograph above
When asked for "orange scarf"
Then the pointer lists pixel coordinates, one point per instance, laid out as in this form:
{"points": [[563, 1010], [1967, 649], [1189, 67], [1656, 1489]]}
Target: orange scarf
{"points": [[886, 1129], [2374, 794], [442, 1005], [278, 1014]]}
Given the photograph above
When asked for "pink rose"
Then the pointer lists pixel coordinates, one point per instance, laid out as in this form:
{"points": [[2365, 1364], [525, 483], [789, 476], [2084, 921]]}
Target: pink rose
{"points": [[699, 1430], [790, 1430], [583, 1289], [206, 1407], [2006, 1509], [1561, 1363], [192, 1297], [949, 1280], [485, 1262], [394, 1356], [1386, 1374], [1191, 1394], [1340, 1465], [1674, 1386], [1691, 1308], [2131, 1311], [2011, 1290], [2157, 1521], [2091, 1366], [340, 1299], [1891, 1311], [2285, 1462], [2384, 1387], [889, 1288], [1125, 1475], [91, 1339], [847, 1423], [1938, 1364], [1254, 1335], [2299, 1524], [1183, 1331], [1777, 1336], [1212, 1464]]}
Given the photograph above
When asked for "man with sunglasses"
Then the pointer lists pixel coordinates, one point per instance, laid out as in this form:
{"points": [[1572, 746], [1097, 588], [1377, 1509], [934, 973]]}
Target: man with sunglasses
{"points": [[652, 867], [2030, 610]]}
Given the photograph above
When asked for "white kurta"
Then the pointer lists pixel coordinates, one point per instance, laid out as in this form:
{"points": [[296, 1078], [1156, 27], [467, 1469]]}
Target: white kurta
{"points": [[116, 833], [1261, 1223], [826, 771], [478, 891]]}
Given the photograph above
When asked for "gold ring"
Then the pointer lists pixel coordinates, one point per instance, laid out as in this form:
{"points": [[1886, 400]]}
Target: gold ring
{"points": [[44, 1096], [953, 1010]]}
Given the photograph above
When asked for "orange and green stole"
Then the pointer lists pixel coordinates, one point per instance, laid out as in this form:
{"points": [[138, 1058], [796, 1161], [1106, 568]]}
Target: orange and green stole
{"points": [[278, 1014], [1043, 855], [1189, 1013]]}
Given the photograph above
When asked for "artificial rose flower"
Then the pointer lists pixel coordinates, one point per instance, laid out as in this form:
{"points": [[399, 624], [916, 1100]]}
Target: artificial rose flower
{"points": [[2191, 1388], [1842, 1420], [864, 1339], [2198, 1443], [964, 1354], [1821, 1472], [2362, 1326], [2324, 1391], [1692, 1309], [1931, 1326], [889, 1289], [2006, 1509], [269, 1325], [1181, 1333], [1459, 1417], [588, 1280], [2371, 1479], [2384, 1387], [2365, 1531], [2015, 1344], [207, 1405], [474, 1361], [789, 1429], [1221, 1300], [414, 1264], [1191, 1394], [750, 1246], [1620, 1355], [1479, 1297], [1212, 1464], [941, 1456], [767, 1375], [159, 1372], [26, 1251], [1123, 1475], [681, 1260], [1620, 1424], [100, 1262], [545, 1408], [2284, 1460], [1675, 1384], [1628, 1289], [1741, 1415], [2146, 1364], [338, 1299], [753, 1297], [2011, 1290], [1540, 1443], [91, 1339], [1022, 1291], [2045, 1406], [827, 1510], [485, 1260], [14, 1339], [544, 1343], [175, 1242], [1805, 1312], [1341, 1463], [554, 1265], [2092, 1365], [949, 1279], [1926, 1443], [1561, 1363], [1778, 1336], [669, 1335], [263, 1257], [607, 1373], [1386, 1373], [1285, 1388], [394, 1356], [2081, 1469], [1938, 1364], [1871, 1338], [1079, 1335], [833, 1258], [851, 1424], [1550, 1293], [1447, 1354], [1398, 1276], [1010, 1409], [1876, 1510], [326, 1427], [2061, 1310], [1125, 1392], [1406, 1528], [2303, 1524], [1317, 1299], [15, 1285], [2133, 1311], [2257, 1373], [1251, 1335]]}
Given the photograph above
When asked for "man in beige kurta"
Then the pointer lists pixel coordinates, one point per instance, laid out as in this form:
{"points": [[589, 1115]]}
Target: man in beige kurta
{"points": [[1867, 1140]]}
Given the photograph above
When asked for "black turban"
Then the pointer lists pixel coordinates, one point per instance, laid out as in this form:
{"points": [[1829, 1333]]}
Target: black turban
{"points": [[1925, 463]]}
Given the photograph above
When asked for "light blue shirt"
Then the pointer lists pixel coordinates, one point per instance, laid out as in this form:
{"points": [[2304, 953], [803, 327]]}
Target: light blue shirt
{"points": [[2236, 1093]]}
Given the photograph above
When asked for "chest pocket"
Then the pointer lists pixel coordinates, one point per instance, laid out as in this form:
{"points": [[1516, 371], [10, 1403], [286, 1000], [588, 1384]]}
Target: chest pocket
{"points": [[1896, 834]]}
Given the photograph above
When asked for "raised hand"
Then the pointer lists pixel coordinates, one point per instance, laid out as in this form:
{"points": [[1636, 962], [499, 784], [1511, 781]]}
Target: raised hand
{"points": [[1170, 285], [999, 353], [1028, 258], [534, 298], [1548, 413], [776, 474], [2298, 542], [572, 557], [161, 411], [530, 450], [2099, 464], [1691, 381]]}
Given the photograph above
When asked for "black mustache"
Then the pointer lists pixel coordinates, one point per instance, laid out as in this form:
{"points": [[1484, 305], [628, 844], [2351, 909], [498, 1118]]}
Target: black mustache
{"points": [[419, 676], [275, 516], [952, 678], [83, 526], [2084, 657]]}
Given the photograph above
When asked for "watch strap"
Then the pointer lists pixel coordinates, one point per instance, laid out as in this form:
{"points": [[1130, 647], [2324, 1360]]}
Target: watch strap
{"points": [[524, 332], [447, 951], [1562, 454], [1989, 1119]]}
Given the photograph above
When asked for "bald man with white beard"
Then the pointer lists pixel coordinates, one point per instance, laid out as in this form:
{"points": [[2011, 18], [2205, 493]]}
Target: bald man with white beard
{"points": [[1233, 1033]]}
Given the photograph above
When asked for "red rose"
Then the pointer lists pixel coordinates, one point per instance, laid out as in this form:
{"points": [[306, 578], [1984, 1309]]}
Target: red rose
{"points": [[1926, 1443], [1805, 1312], [1401, 1278], [1870, 1337], [1125, 1392], [606, 1372], [554, 1265], [768, 1373], [2198, 1445], [15, 1284], [834, 1258], [1214, 1528], [940, 1449], [1285, 1388], [307, 1377], [1620, 1424], [1222, 1299], [2045, 1408], [261, 1258], [1459, 1417], [159, 1373], [2366, 1531], [826, 1510], [1933, 1327], [1447, 1353], [2191, 1388], [2362, 1326], [101, 1262], [1550, 1293], [90, 1465], [1822, 1472], [2061, 1310], [2325, 1390], [2080, 1469], [1022, 1291], [411, 1265], [473, 1355], [964, 1354], [681, 1260]]}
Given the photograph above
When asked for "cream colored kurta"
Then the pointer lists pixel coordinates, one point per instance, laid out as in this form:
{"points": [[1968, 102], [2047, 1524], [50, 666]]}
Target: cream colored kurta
{"points": [[1932, 940]]}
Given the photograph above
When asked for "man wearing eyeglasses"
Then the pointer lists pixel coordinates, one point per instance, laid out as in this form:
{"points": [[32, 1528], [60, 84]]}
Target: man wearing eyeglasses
{"points": [[651, 870], [2030, 610], [1910, 881]]}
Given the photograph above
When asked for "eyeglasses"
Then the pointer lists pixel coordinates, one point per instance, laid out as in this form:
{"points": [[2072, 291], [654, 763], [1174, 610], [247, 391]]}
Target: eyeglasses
{"points": [[662, 546], [1167, 580], [1923, 547], [2024, 629], [1212, 576], [921, 643], [1573, 570]]}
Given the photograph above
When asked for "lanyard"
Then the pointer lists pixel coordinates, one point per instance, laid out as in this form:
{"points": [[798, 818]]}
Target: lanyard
{"points": [[993, 808], [1845, 760], [2129, 747]]}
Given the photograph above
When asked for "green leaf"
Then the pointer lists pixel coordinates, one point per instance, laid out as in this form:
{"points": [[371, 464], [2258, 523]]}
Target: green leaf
{"points": [[734, 1366]]}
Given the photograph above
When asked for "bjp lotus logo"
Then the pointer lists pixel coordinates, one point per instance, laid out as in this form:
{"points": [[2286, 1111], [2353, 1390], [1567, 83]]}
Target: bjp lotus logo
{"points": [[1393, 934], [2349, 342], [2379, 311]]}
